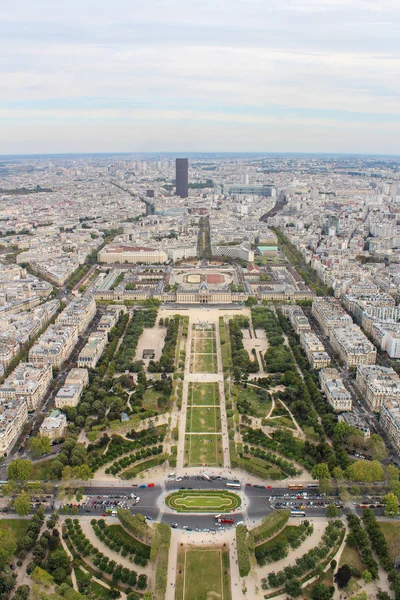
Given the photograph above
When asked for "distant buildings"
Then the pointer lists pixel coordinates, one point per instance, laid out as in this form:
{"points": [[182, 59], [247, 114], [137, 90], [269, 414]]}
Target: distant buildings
{"points": [[182, 177], [124, 254]]}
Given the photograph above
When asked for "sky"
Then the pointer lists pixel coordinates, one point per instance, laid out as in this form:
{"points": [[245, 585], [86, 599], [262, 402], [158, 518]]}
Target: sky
{"points": [[198, 75]]}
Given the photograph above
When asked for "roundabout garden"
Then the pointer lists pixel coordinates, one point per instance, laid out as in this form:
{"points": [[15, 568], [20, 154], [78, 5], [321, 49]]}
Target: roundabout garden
{"points": [[201, 501]]}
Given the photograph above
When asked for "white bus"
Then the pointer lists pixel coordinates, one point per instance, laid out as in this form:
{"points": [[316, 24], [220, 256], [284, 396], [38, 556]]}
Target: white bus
{"points": [[233, 484], [206, 477], [313, 486], [297, 513]]}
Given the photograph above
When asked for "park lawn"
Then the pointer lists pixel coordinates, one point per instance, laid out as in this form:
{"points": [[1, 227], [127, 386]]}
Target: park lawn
{"points": [[203, 394], [391, 531], [204, 363], [17, 526], [41, 470], [281, 537], [150, 397], [327, 579], [202, 574], [203, 419], [281, 422], [257, 408], [97, 590], [351, 557], [203, 450]]}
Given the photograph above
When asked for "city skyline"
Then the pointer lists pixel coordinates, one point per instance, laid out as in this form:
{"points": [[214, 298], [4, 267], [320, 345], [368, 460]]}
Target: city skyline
{"points": [[307, 77]]}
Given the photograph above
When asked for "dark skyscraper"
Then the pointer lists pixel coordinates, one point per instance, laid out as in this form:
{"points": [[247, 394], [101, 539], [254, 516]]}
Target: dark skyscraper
{"points": [[182, 177]]}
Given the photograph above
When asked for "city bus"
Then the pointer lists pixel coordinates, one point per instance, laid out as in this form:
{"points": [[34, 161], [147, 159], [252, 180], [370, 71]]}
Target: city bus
{"points": [[297, 513], [295, 486], [206, 477], [313, 486], [233, 484]]}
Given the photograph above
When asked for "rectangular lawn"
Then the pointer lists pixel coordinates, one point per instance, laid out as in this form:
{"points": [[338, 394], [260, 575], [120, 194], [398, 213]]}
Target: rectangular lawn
{"points": [[205, 345], [205, 394], [17, 526], [204, 363], [203, 450], [202, 574], [203, 419]]}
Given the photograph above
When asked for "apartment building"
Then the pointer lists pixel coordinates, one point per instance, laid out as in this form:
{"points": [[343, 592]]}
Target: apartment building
{"points": [[352, 346], [8, 350], [54, 346], [68, 395], [297, 318], [330, 315], [110, 318], [93, 350], [54, 426], [76, 376], [390, 422], [357, 421], [131, 254], [378, 385], [241, 251], [79, 313], [333, 387], [314, 349], [13, 416], [29, 383]]}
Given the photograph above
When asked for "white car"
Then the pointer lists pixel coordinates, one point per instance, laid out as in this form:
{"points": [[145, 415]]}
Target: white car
{"points": [[179, 479]]}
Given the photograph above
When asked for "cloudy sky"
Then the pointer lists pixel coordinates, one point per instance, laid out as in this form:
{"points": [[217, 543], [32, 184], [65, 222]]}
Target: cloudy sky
{"points": [[200, 75]]}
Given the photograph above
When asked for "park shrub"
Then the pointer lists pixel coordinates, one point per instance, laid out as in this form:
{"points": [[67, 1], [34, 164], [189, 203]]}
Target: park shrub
{"points": [[276, 548], [270, 525], [309, 561], [136, 525]]}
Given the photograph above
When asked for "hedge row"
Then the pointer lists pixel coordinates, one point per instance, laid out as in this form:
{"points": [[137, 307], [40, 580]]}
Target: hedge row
{"points": [[284, 465], [160, 550], [119, 446], [270, 525], [243, 552], [359, 537], [143, 466], [125, 462]]}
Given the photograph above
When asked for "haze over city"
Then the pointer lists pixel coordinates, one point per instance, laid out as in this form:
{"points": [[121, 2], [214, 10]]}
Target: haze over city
{"points": [[298, 76]]}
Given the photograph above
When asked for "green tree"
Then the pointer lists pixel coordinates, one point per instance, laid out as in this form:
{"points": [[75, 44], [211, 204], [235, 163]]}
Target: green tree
{"points": [[22, 504], [391, 505], [321, 472], [377, 447], [19, 470], [392, 473], [365, 471], [322, 592], [332, 511], [293, 588], [8, 544], [42, 577], [367, 576], [338, 473]]}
